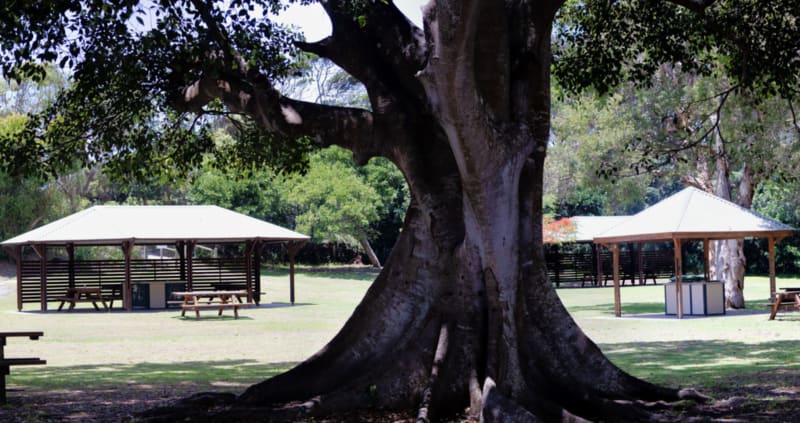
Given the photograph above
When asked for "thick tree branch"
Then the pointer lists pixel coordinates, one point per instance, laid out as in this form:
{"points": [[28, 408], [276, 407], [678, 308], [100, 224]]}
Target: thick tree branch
{"points": [[328, 125]]}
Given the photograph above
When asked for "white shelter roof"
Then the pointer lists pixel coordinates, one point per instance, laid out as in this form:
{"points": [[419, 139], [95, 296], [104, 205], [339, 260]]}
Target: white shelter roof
{"points": [[588, 227], [693, 214], [100, 225]]}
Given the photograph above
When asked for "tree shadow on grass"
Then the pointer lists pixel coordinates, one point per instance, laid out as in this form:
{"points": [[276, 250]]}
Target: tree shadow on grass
{"points": [[114, 392], [709, 363], [627, 308]]}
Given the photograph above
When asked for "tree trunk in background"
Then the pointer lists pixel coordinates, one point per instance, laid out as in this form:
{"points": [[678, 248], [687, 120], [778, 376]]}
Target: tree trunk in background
{"points": [[729, 264], [373, 258]]}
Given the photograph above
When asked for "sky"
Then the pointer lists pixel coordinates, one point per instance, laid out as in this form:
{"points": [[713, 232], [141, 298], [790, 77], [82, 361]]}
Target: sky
{"points": [[316, 25]]}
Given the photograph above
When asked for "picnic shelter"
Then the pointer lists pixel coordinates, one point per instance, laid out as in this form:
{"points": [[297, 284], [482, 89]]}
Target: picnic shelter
{"points": [[47, 263], [691, 215], [573, 256]]}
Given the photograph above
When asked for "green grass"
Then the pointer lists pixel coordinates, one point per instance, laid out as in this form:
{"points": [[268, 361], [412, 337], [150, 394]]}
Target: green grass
{"points": [[90, 349], [86, 349], [697, 350]]}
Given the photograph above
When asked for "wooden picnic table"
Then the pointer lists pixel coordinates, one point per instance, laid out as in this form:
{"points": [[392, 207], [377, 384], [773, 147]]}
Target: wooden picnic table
{"points": [[6, 363], [214, 300], [788, 298], [82, 295]]}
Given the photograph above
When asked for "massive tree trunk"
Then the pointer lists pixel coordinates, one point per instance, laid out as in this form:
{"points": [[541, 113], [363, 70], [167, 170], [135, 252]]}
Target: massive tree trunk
{"points": [[463, 315]]}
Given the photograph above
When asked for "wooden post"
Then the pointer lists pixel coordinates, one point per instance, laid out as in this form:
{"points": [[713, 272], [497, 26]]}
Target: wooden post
{"points": [[127, 289], [258, 250], [41, 251], [678, 277], [71, 264], [294, 247], [181, 247], [595, 257], [16, 254], [189, 258], [772, 287], [557, 266], [706, 251], [248, 264], [615, 264], [600, 275], [640, 262]]}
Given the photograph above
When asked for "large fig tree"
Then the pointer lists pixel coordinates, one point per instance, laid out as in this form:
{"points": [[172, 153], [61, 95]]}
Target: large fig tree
{"points": [[462, 316]]}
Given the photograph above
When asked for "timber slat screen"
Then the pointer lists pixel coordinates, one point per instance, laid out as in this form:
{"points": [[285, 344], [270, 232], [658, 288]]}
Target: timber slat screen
{"points": [[107, 274], [579, 265]]}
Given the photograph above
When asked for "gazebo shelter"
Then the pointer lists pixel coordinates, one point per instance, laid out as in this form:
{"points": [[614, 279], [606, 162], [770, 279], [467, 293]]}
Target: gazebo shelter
{"points": [[692, 215], [567, 261], [48, 275]]}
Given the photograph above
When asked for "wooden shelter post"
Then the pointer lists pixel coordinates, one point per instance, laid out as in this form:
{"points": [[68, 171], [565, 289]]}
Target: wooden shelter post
{"points": [[189, 258], [71, 264], [640, 262], [600, 276], [771, 247], [258, 251], [615, 265], [249, 248], [678, 276], [127, 291], [707, 259], [293, 247], [41, 251], [16, 254], [181, 247]]}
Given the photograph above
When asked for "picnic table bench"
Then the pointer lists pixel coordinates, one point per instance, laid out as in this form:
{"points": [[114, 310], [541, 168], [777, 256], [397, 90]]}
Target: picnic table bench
{"points": [[212, 300], [788, 298], [6, 363], [82, 295]]}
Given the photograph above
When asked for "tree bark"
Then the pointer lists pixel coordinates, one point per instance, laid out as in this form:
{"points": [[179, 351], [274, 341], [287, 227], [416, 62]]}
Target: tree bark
{"points": [[373, 258], [463, 315], [727, 256]]}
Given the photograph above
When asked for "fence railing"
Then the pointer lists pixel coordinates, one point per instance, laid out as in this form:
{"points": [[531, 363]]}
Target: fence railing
{"points": [[110, 274], [581, 265]]}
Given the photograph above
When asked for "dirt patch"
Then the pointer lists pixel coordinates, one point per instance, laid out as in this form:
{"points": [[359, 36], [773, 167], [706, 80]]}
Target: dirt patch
{"points": [[751, 402], [97, 405]]}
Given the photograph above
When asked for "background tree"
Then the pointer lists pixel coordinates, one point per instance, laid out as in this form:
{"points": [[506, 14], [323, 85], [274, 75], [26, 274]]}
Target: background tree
{"points": [[462, 314], [334, 203]]}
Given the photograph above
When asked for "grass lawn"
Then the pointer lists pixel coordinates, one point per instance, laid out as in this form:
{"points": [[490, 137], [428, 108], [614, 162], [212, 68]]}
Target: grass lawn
{"points": [[699, 351], [143, 351], [86, 348]]}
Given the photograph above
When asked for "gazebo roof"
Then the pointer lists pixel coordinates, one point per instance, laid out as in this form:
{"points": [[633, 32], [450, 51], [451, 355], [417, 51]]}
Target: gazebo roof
{"points": [[693, 214], [588, 227], [105, 225]]}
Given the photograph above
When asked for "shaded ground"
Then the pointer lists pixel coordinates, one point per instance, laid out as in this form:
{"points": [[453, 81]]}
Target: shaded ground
{"points": [[768, 397]]}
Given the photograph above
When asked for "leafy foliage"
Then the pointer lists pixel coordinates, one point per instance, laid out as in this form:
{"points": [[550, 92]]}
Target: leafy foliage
{"points": [[128, 61], [335, 204], [600, 43]]}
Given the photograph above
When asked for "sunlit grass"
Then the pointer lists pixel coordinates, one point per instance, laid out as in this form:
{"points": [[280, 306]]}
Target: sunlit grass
{"points": [[86, 349], [697, 350]]}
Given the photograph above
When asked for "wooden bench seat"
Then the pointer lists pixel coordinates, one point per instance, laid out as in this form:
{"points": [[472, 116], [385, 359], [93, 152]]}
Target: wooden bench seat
{"points": [[7, 362], [213, 306], [787, 300], [21, 361]]}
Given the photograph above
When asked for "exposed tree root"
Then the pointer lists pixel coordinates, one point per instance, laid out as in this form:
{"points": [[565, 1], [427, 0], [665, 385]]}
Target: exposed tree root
{"points": [[498, 408], [424, 414]]}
